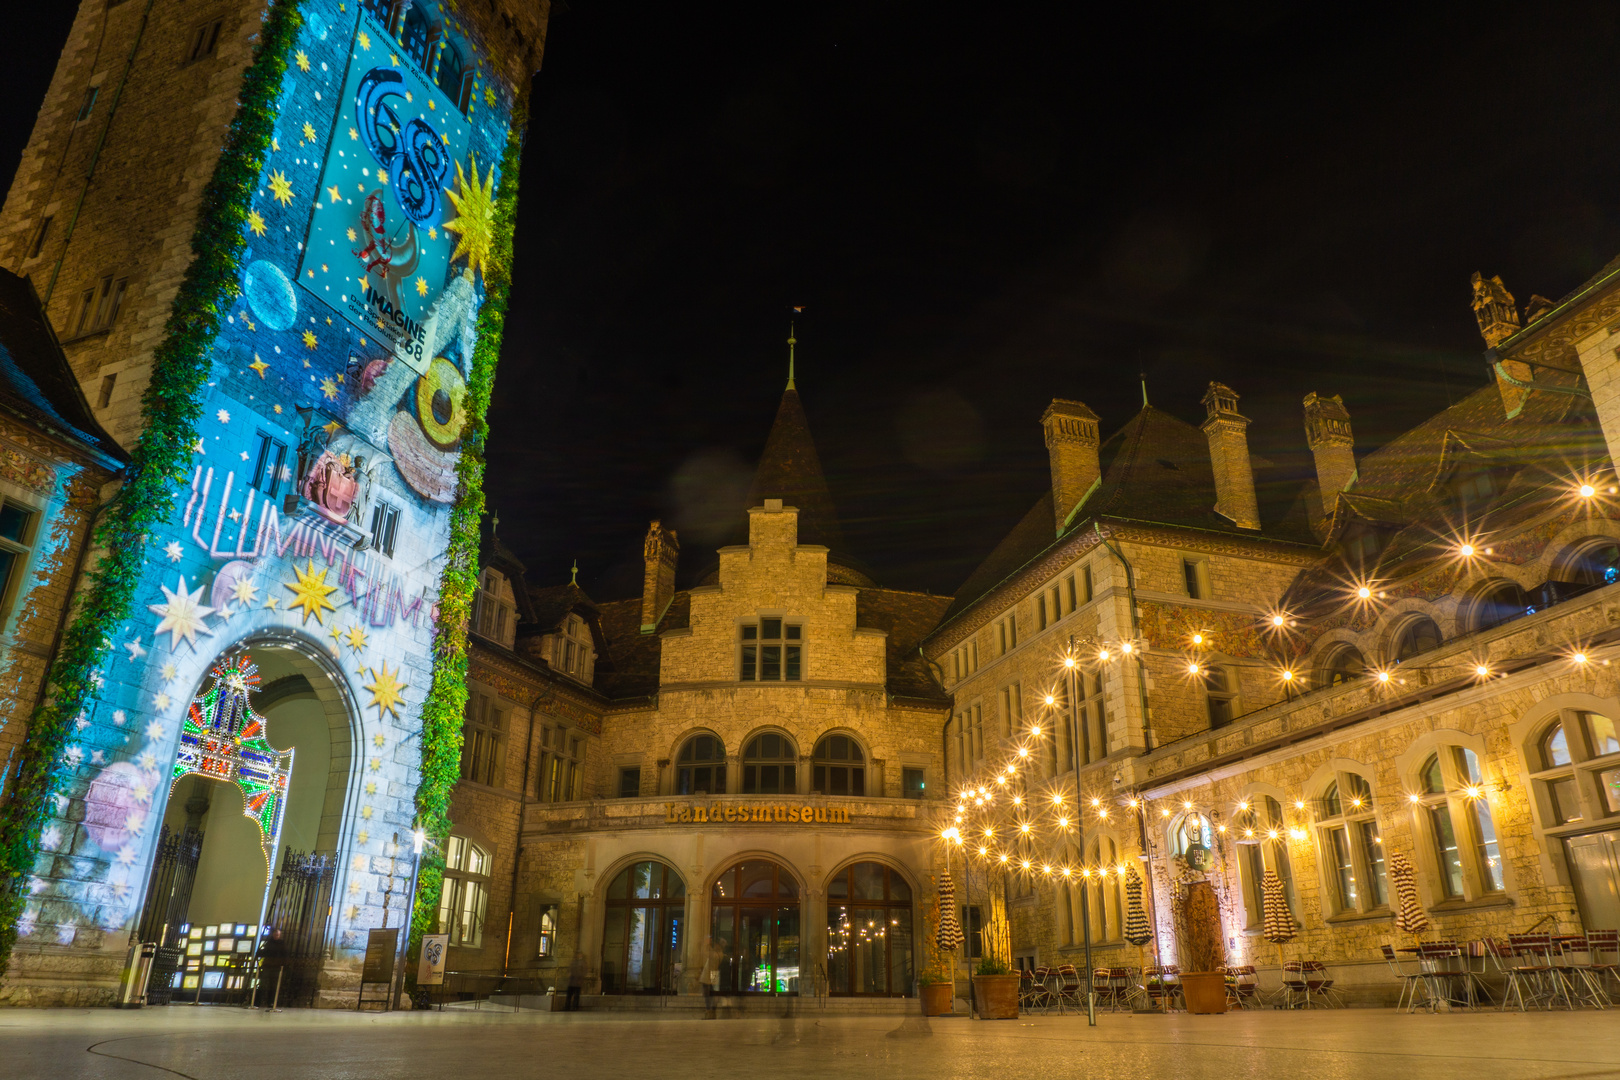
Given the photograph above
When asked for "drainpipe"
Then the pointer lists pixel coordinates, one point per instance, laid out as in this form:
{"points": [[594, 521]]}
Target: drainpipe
{"points": [[1136, 633]]}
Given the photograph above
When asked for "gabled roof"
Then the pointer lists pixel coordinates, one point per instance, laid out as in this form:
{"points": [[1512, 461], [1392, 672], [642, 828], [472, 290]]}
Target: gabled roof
{"points": [[790, 470], [36, 381]]}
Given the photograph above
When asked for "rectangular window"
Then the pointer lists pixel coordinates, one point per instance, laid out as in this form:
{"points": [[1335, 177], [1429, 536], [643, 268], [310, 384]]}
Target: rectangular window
{"points": [[40, 236], [1074, 598], [973, 932], [1566, 805], [1372, 851], [1001, 637], [1085, 579], [16, 536], [1012, 631], [269, 465], [1445, 840], [204, 41], [99, 305], [89, 104], [770, 650], [1490, 855], [1218, 694], [1040, 611], [104, 398], [911, 783], [384, 527], [961, 747], [1344, 869], [1057, 603], [482, 732], [974, 650], [630, 783], [1189, 574]]}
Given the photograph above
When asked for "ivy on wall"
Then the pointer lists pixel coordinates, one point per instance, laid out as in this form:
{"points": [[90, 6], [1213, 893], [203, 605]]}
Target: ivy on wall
{"points": [[446, 702], [170, 409]]}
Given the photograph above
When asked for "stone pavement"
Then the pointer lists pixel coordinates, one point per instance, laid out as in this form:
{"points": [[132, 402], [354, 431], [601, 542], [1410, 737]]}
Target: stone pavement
{"points": [[219, 1043]]}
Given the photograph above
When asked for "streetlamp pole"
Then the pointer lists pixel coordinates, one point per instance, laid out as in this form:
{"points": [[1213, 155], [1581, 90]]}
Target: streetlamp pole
{"points": [[1075, 735]]}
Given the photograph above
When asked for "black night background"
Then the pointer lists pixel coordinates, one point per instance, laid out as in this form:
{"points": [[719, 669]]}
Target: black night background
{"points": [[981, 208]]}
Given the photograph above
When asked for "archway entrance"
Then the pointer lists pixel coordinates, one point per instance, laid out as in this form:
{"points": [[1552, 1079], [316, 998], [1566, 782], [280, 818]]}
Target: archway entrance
{"points": [[205, 901], [641, 937], [756, 913], [869, 932]]}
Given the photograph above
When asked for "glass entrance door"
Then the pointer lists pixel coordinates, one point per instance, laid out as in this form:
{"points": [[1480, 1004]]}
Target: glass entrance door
{"points": [[869, 932], [1594, 863], [641, 931], [755, 919]]}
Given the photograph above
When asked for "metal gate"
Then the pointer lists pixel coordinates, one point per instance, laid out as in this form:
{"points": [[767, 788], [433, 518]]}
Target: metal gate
{"points": [[295, 942], [168, 898]]}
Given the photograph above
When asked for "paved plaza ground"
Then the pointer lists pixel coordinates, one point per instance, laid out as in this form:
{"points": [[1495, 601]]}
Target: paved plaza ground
{"points": [[215, 1044]]}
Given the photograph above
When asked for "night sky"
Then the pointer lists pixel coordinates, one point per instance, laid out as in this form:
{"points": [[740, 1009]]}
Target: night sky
{"points": [[983, 208]]}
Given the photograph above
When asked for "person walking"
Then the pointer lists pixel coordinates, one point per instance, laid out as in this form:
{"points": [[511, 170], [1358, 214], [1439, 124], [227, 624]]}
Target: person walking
{"points": [[576, 982], [714, 957]]}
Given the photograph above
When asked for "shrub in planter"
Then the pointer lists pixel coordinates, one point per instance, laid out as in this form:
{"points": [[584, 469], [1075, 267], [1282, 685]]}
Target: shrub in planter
{"points": [[1203, 950], [936, 996], [997, 985]]}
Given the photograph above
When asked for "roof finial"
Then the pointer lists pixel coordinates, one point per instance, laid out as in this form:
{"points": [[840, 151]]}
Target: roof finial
{"points": [[495, 523], [573, 576], [791, 342], [1143, 376]]}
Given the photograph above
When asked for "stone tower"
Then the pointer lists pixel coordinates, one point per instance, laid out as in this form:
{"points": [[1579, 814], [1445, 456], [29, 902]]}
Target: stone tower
{"points": [[354, 224], [1228, 434], [1071, 443]]}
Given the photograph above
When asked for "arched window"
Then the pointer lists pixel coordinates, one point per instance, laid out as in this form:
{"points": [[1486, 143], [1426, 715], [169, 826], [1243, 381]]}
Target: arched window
{"points": [[869, 932], [1575, 771], [755, 921], [642, 930], [451, 76], [1262, 844], [1592, 562], [418, 35], [1501, 602], [838, 767], [465, 895], [1342, 665], [1352, 845], [1415, 637], [1454, 810], [701, 767], [769, 765]]}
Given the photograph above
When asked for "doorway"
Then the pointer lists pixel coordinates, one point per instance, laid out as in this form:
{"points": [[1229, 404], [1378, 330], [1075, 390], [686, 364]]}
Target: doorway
{"points": [[1594, 870], [869, 940], [756, 913], [642, 932]]}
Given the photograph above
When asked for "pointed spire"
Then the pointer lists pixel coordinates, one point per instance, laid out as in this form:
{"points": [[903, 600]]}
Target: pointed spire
{"points": [[1143, 376], [792, 341], [573, 575]]}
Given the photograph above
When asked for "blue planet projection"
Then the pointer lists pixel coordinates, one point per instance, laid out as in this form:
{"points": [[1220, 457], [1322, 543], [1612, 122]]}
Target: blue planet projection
{"points": [[270, 295]]}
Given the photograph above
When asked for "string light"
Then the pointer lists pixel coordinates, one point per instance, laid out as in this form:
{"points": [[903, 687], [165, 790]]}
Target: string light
{"points": [[1587, 491], [1102, 654], [1466, 551], [1096, 802], [1036, 730], [1481, 670], [1063, 823], [1068, 661], [1472, 792], [1363, 593], [1192, 668], [1023, 751], [1126, 647], [1198, 639], [1414, 798], [1579, 658], [1383, 676], [1279, 621], [1287, 675]]}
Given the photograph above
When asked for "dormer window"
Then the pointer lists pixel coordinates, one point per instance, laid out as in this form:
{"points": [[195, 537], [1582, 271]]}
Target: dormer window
{"points": [[770, 650], [572, 651], [495, 616]]}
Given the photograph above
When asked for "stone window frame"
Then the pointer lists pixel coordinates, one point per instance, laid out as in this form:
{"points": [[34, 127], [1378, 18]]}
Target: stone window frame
{"points": [[1446, 746], [573, 649], [1006, 633], [495, 608], [1403, 627], [1584, 771], [802, 643], [1231, 694], [795, 760], [99, 305], [1256, 850], [1105, 880], [722, 762], [1483, 601], [1328, 661], [484, 730], [562, 762], [870, 779], [463, 883], [14, 585], [1012, 709], [1195, 582], [1351, 821]]}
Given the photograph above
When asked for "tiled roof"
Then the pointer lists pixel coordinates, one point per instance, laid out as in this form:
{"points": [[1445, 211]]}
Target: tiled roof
{"points": [[1156, 469], [790, 470], [907, 617], [36, 382]]}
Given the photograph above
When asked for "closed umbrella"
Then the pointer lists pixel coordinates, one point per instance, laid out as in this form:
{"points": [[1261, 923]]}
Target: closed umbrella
{"points": [[1409, 916], [1279, 927], [1138, 931], [949, 938]]}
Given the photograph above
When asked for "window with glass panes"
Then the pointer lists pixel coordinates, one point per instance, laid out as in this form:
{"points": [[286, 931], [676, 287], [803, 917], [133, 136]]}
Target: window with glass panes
{"points": [[1453, 809], [770, 650], [572, 651], [465, 896], [1012, 710], [838, 767], [1262, 843], [700, 767], [562, 764], [1220, 694], [483, 734], [495, 613], [630, 782], [1574, 766], [16, 538], [1352, 845], [769, 762]]}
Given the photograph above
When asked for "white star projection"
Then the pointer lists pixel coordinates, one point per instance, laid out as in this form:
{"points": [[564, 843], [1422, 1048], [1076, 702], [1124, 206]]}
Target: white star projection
{"points": [[183, 614]]}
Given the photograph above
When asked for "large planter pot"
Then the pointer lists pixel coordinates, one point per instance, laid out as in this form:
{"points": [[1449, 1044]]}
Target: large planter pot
{"points": [[1204, 991], [936, 998], [998, 996]]}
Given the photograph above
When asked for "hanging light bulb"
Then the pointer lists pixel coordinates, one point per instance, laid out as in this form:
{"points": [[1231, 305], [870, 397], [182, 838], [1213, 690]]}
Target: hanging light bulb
{"points": [[1363, 593], [1192, 668], [1466, 550], [1287, 675], [1068, 661], [1126, 647], [1036, 730]]}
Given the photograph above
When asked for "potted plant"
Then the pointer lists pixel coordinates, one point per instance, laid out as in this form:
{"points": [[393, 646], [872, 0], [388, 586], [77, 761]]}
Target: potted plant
{"points": [[1203, 951], [936, 983], [994, 979]]}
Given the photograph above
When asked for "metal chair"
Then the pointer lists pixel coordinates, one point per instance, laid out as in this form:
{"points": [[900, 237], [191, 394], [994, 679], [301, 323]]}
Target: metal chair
{"points": [[1319, 985], [1070, 990], [1294, 992], [1409, 980], [1535, 957], [1242, 987], [1446, 974], [1600, 945], [1162, 985], [1032, 993], [1576, 963]]}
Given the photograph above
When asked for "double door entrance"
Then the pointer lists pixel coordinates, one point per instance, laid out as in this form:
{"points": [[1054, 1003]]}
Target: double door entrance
{"points": [[755, 922], [1594, 865]]}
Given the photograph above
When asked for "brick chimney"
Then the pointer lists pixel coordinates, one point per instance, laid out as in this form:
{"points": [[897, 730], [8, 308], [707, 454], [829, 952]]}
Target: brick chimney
{"points": [[1071, 442], [1499, 320], [1327, 431], [1228, 434], [660, 552]]}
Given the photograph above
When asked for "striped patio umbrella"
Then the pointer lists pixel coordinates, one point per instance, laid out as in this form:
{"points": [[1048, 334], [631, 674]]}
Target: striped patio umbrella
{"points": [[1138, 931], [1409, 916], [1279, 927], [950, 930]]}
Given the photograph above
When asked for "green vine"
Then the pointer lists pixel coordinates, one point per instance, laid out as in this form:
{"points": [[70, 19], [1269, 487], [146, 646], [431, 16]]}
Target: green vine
{"points": [[170, 409], [446, 703]]}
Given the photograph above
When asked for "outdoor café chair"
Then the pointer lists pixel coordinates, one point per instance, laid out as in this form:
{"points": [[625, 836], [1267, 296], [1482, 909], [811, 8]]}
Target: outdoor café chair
{"points": [[1162, 984], [1537, 956], [1409, 980], [1242, 987], [1446, 974], [1602, 945], [1070, 990], [1575, 963]]}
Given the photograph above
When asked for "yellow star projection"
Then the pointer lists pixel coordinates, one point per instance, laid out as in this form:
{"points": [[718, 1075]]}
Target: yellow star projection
{"points": [[357, 637], [259, 365], [474, 224], [309, 339], [387, 692], [310, 592], [303, 60], [255, 221], [281, 189], [309, 131]]}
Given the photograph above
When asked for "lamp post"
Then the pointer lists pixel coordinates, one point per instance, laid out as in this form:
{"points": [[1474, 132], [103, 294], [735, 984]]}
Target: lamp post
{"points": [[1072, 670]]}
